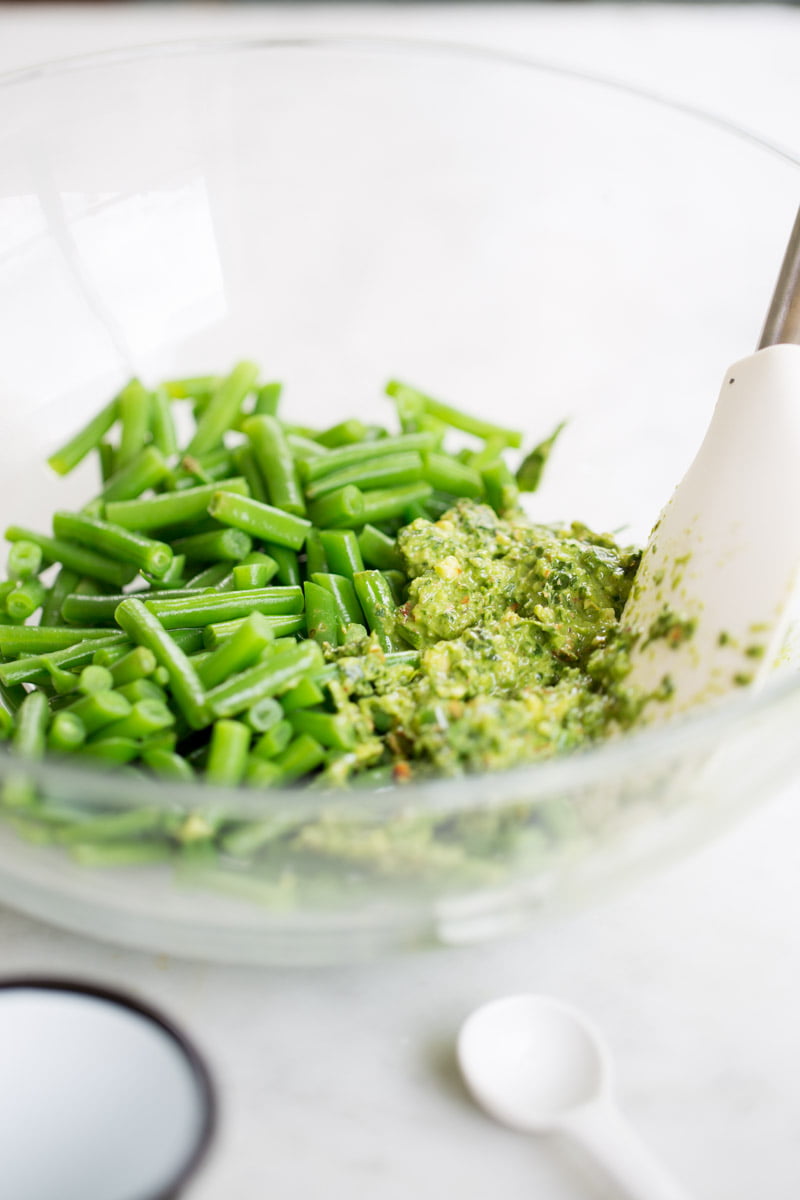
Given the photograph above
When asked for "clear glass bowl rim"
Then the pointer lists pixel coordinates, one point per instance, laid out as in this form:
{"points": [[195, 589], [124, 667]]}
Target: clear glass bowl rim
{"points": [[580, 769]]}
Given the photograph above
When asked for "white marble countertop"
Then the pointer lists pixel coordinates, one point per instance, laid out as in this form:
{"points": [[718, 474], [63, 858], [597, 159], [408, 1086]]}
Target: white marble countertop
{"points": [[342, 1082]]}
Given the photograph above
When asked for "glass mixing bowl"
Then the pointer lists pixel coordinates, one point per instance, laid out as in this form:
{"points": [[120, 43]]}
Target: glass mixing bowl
{"points": [[522, 241]]}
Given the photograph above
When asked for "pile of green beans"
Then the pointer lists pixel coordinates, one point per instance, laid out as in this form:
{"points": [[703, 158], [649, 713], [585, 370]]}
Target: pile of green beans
{"points": [[185, 622]]}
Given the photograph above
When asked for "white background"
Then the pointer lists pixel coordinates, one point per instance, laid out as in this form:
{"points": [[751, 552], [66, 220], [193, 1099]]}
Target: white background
{"points": [[342, 1082]]}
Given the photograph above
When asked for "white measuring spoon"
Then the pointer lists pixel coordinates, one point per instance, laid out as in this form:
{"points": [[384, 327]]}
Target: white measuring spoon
{"points": [[725, 552], [539, 1066]]}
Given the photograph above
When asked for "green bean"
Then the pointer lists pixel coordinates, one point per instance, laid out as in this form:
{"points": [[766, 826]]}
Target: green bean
{"points": [[265, 713], [171, 508], [279, 673], [223, 545], [316, 559], [377, 601], [215, 634], [378, 550], [386, 503], [223, 408], [121, 544], [172, 577], [145, 717], [192, 387], [33, 717], [67, 732], [105, 457], [322, 614], [245, 462], [63, 681], [17, 640], [100, 610], [346, 433], [227, 752], [315, 467], [120, 854], [163, 426], [329, 729], [268, 399], [114, 827], [99, 709], [65, 582], [446, 474], [23, 600], [254, 575], [260, 773], [389, 471], [76, 557], [301, 757], [502, 491], [211, 577], [95, 679], [342, 552], [348, 609], [260, 520], [146, 629], [453, 416], [133, 408], [11, 695], [108, 651], [215, 465], [207, 608], [142, 689], [24, 560], [335, 509], [288, 565], [276, 464], [67, 457], [303, 447], [116, 750], [240, 651], [6, 719], [138, 663], [398, 583], [146, 471], [305, 694], [274, 740], [167, 765]]}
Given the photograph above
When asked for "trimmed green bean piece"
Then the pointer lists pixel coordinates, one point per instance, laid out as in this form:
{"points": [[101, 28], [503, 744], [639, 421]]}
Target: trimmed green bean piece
{"points": [[169, 509], [24, 560], [397, 584], [227, 753], [222, 410], [301, 757], [142, 689], [172, 577], [67, 732], [133, 408], [207, 608], [18, 640], [389, 471], [100, 610], [167, 765], [145, 718], [11, 696], [192, 388], [138, 663], [279, 673], [105, 455], [342, 552], [305, 694], [245, 462], [146, 471], [348, 609], [262, 715], [116, 750], [67, 457], [34, 669], [238, 652], [65, 582], [95, 679], [378, 550], [120, 854], [288, 565], [63, 681], [274, 740], [144, 553], [446, 474], [33, 717], [377, 601], [6, 720], [165, 438], [114, 827], [386, 503], [316, 559], [453, 416], [105, 655], [210, 577], [76, 557], [329, 729], [254, 575], [322, 614], [276, 464], [261, 773], [346, 433], [24, 599], [268, 399], [223, 545], [502, 490], [260, 520], [344, 507], [303, 447], [214, 635], [99, 709], [314, 468], [146, 629]]}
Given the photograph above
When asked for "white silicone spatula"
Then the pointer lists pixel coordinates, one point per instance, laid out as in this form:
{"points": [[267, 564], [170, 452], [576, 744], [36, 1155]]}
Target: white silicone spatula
{"points": [[721, 566]]}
